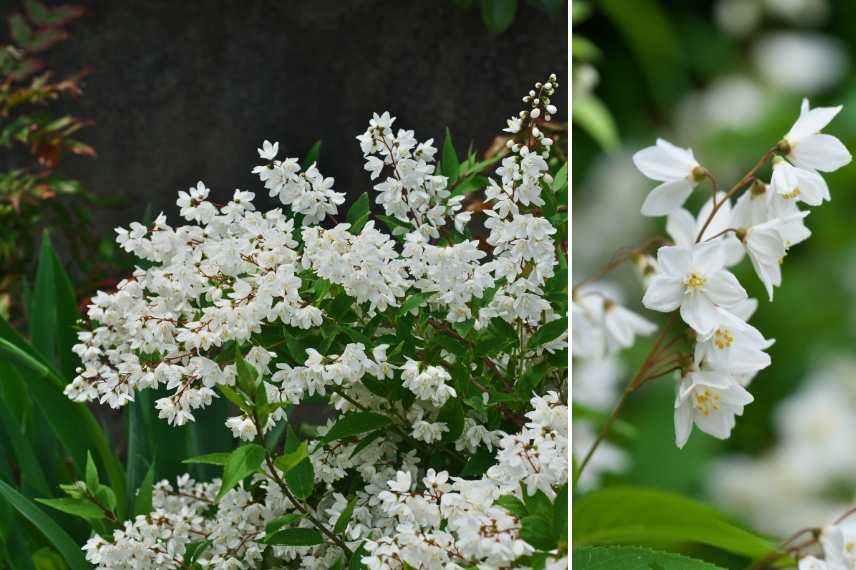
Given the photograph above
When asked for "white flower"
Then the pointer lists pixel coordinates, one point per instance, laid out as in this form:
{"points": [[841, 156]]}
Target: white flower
{"points": [[711, 400], [812, 563], [622, 325], [268, 150], [693, 279], [839, 545], [810, 149], [766, 248], [678, 171], [734, 346], [797, 183]]}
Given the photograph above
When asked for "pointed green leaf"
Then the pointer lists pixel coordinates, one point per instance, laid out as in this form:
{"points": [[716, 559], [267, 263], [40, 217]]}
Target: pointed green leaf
{"points": [[631, 515], [218, 458], [82, 508], [296, 537], [450, 166], [355, 423], [301, 477], [288, 461], [241, 463], [634, 558], [65, 545]]}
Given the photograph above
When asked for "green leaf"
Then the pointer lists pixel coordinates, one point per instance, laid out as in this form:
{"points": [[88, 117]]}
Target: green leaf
{"points": [[633, 558], [280, 522], [247, 375], [65, 545], [46, 388], [311, 155], [241, 463], [413, 301], [19, 30], [498, 15], [358, 213], [345, 517], [591, 115], [91, 473], [548, 332], [300, 478], [289, 461], [355, 423], [32, 474], [452, 414], [560, 180], [513, 505], [43, 323], [450, 166], [560, 514], [296, 537], [537, 531], [143, 499], [83, 508], [630, 515]]}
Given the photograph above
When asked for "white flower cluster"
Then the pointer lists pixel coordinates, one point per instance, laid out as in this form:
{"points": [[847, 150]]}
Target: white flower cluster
{"points": [[692, 276], [215, 293], [446, 522], [412, 192], [308, 193], [452, 523], [237, 270], [180, 517]]}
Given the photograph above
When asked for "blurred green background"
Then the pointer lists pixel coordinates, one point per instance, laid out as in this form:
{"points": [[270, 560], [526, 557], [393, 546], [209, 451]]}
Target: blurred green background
{"points": [[725, 78]]}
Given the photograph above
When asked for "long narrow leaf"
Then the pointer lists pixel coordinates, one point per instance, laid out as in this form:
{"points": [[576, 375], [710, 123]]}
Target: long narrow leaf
{"points": [[46, 387], [65, 545]]}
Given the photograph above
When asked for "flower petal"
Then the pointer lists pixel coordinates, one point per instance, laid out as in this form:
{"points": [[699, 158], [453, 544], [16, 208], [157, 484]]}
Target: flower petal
{"points": [[683, 423], [812, 122], [820, 152], [663, 294], [723, 289], [699, 312], [667, 197], [664, 162], [675, 261]]}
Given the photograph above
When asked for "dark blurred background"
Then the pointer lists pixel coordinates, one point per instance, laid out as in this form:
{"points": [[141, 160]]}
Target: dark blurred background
{"points": [[186, 91]]}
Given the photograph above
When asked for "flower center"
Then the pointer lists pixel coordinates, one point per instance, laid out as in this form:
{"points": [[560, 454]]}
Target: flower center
{"points": [[722, 338], [792, 194], [694, 281], [706, 400]]}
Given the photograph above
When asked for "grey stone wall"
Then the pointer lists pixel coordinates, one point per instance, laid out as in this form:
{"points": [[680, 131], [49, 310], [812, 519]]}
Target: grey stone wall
{"points": [[186, 90]]}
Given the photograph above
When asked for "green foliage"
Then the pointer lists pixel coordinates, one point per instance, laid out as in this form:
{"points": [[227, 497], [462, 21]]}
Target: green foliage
{"points": [[634, 558], [241, 463], [627, 515], [30, 187], [64, 544]]}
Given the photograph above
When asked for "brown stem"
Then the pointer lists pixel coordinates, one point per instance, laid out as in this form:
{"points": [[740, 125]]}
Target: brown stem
{"points": [[734, 189], [638, 379], [616, 261]]}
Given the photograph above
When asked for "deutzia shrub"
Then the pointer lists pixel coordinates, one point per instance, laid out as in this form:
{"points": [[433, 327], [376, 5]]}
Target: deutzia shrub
{"points": [[435, 331]]}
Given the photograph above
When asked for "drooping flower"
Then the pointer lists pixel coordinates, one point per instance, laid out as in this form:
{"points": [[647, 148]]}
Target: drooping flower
{"points": [[808, 148], [678, 171], [710, 400]]}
